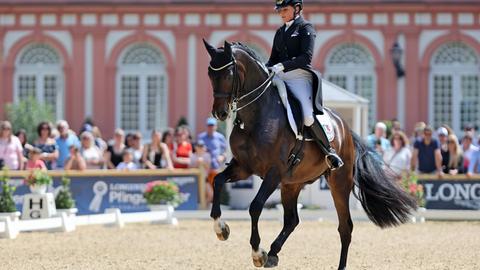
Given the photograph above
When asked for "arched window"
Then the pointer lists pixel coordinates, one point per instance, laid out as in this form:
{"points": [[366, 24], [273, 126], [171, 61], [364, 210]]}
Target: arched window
{"points": [[141, 99], [352, 67], [454, 86], [39, 74]]}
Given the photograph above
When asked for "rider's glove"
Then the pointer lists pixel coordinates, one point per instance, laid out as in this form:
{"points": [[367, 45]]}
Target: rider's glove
{"points": [[277, 68]]}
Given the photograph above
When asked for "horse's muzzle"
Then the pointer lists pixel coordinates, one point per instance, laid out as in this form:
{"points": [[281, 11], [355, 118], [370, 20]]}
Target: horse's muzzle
{"points": [[221, 115]]}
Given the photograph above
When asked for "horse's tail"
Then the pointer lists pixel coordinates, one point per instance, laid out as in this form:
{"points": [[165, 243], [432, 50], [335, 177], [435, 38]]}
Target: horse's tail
{"points": [[384, 201]]}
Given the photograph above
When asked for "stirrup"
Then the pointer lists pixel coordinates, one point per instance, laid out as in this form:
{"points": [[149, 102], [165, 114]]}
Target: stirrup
{"points": [[330, 165]]}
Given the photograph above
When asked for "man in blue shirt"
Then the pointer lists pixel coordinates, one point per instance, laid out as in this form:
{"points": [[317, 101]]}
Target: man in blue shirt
{"points": [[216, 145], [64, 141], [426, 154]]}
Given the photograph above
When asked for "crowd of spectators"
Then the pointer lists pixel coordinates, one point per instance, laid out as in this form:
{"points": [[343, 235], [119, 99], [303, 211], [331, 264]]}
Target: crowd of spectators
{"points": [[427, 151]]}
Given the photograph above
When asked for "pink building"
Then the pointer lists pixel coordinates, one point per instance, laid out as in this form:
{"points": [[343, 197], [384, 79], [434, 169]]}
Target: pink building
{"points": [[141, 64]]}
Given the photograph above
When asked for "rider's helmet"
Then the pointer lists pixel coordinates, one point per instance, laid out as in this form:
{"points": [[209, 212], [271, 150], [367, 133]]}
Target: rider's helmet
{"points": [[284, 3]]}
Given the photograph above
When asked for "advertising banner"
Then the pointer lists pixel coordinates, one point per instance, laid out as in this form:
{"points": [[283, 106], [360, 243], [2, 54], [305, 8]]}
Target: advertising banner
{"points": [[452, 194], [94, 194]]}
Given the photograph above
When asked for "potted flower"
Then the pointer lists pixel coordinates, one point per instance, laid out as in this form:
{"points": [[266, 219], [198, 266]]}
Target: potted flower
{"points": [[162, 193], [7, 204], [411, 186], [38, 181], [64, 201]]}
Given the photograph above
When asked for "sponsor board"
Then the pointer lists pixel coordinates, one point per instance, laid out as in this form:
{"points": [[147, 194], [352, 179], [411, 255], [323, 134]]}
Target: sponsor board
{"points": [[460, 195], [94, 194]]}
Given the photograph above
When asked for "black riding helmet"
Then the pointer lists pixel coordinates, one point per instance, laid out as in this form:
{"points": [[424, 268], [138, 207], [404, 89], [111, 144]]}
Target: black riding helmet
{"points": [[284, 3]]}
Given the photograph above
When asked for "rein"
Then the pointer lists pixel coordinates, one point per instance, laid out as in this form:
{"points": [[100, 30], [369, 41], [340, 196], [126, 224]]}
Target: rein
{"points": [[236, 80]]}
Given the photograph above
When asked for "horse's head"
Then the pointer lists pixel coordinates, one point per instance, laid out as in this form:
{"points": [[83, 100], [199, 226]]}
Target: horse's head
{"points": [[223, 77]]}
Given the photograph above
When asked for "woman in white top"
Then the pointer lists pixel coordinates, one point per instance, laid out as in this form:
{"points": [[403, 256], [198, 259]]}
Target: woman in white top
{"points": [[398, 157], [90, 152]]}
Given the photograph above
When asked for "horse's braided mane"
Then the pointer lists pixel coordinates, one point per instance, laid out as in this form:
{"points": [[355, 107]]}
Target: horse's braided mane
{"points": [[247, 49]]}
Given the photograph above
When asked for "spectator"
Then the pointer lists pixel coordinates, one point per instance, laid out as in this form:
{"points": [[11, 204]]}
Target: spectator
{"points": [[453, 163], [11, 151], [90, 152], [418, 131], [46, 144], [183, 149], [127, 163], [99, 142], [426, 154], [399, 156], [136, 149], [114, 154], [75, 160], [129, 140], [34, 160], [65, 139], [156, 154], [396, 126], [442, 134], [22, 136], [468, 150], [377, 140], [168, 137], [201, 159], [216, 146]]}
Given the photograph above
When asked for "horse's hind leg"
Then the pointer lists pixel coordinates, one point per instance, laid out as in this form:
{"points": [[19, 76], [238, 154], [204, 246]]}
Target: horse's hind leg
{"points": [[341, 185], [269, 184], [290, 221], [232, 173]]}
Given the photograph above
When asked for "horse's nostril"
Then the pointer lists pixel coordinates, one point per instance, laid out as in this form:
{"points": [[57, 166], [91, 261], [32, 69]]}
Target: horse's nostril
{"points": [[223, 115]]}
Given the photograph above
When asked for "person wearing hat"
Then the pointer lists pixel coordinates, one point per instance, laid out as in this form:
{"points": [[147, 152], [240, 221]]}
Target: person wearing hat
{"points": [[216, 145], [442, 134], [290, 60]]}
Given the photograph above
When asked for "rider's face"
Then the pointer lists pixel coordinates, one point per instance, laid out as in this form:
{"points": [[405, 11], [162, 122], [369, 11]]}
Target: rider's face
{"points": [[286, 13]]}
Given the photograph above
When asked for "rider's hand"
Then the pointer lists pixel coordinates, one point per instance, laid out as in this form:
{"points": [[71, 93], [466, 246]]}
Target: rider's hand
{"points": [[277, 68]]}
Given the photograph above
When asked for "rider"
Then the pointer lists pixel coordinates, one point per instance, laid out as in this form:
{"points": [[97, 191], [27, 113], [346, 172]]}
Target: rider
{"points": [[290, 60]]}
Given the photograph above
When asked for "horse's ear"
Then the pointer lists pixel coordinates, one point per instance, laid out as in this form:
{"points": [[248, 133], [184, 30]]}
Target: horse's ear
{"points": [[228, 48], [210, 49]]}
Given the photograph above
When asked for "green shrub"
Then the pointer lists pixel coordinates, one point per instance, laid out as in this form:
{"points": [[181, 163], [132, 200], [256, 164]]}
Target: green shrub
{"points": [[7, 204], [64, 199]]}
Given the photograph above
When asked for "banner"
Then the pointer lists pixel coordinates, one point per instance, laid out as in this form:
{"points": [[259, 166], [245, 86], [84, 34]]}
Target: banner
{"points": [[453, 194], [94, 194]]}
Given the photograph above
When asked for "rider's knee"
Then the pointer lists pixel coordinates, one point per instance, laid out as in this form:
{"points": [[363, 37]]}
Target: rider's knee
{"points": [[308, 120]]}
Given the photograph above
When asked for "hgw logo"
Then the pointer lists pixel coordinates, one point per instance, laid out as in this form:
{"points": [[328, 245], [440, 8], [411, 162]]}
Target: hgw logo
{"points": [[464, 194]]}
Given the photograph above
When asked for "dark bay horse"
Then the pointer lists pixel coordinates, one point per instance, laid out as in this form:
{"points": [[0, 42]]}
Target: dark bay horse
{"points": [[261, 142]]}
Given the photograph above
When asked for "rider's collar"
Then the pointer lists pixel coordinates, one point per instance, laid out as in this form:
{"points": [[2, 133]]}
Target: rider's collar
{"points": [[289, 23]]}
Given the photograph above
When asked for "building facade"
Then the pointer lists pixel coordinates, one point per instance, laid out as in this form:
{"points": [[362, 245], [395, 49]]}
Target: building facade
{"points": [[141, 65]]}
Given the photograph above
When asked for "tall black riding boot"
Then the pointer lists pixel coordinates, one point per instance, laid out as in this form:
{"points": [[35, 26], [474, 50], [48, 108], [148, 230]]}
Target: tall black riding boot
{"points": [[333, 160]]}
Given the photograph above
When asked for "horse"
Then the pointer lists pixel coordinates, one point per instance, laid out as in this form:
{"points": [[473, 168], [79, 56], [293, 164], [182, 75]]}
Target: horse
{"points": [[261, 143]]}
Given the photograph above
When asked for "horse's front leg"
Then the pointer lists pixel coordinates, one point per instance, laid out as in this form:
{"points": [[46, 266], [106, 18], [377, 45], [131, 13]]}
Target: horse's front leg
{"points": [[232, 173], [290, 221], [269, 184]]}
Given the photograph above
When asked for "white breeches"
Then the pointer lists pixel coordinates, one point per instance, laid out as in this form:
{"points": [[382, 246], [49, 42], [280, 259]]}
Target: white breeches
{"points": [[300, 83]]}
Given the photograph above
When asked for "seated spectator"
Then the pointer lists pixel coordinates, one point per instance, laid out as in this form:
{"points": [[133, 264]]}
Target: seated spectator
{"points": [[127, 163], [136, 149], [65, 139], [46, 144], [201, 159], [113, 155], [183, 149], [34, 161], [11, 150], [90, 152], [426, 154], [75, 160], [453, 162], [156, 154], [399, 156], [377, 140], [468, 150]]}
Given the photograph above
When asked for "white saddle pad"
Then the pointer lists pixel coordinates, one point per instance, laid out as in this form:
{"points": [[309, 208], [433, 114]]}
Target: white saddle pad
{"points": [[324, 119]]}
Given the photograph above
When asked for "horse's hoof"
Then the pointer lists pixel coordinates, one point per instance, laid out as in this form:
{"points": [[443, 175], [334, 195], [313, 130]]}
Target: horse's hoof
{"points": [[225, 232], [271, 262], [259, 258]]}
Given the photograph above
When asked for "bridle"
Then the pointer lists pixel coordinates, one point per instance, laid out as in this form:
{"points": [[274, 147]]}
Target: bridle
{"points": [[234, 93]]}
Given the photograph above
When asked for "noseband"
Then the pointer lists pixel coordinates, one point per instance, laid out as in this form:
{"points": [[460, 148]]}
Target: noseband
{"points": [[234, 93]]}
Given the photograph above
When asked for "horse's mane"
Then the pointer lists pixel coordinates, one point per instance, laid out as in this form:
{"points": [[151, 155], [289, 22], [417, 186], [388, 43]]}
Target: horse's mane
{"points": [[247, 49]]}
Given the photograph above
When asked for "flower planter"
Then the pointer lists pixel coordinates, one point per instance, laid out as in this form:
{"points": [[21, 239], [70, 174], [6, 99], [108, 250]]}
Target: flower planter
{"points": [[14, 216], [70, 212], [38, 189]]}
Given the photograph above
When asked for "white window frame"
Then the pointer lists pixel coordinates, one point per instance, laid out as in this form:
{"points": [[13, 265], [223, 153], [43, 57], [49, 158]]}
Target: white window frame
{"points": [[142, 71], [40, 71]]}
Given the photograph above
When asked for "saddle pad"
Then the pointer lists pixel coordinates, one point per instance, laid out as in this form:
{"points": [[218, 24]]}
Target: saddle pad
{"points": [[324, 119]]}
